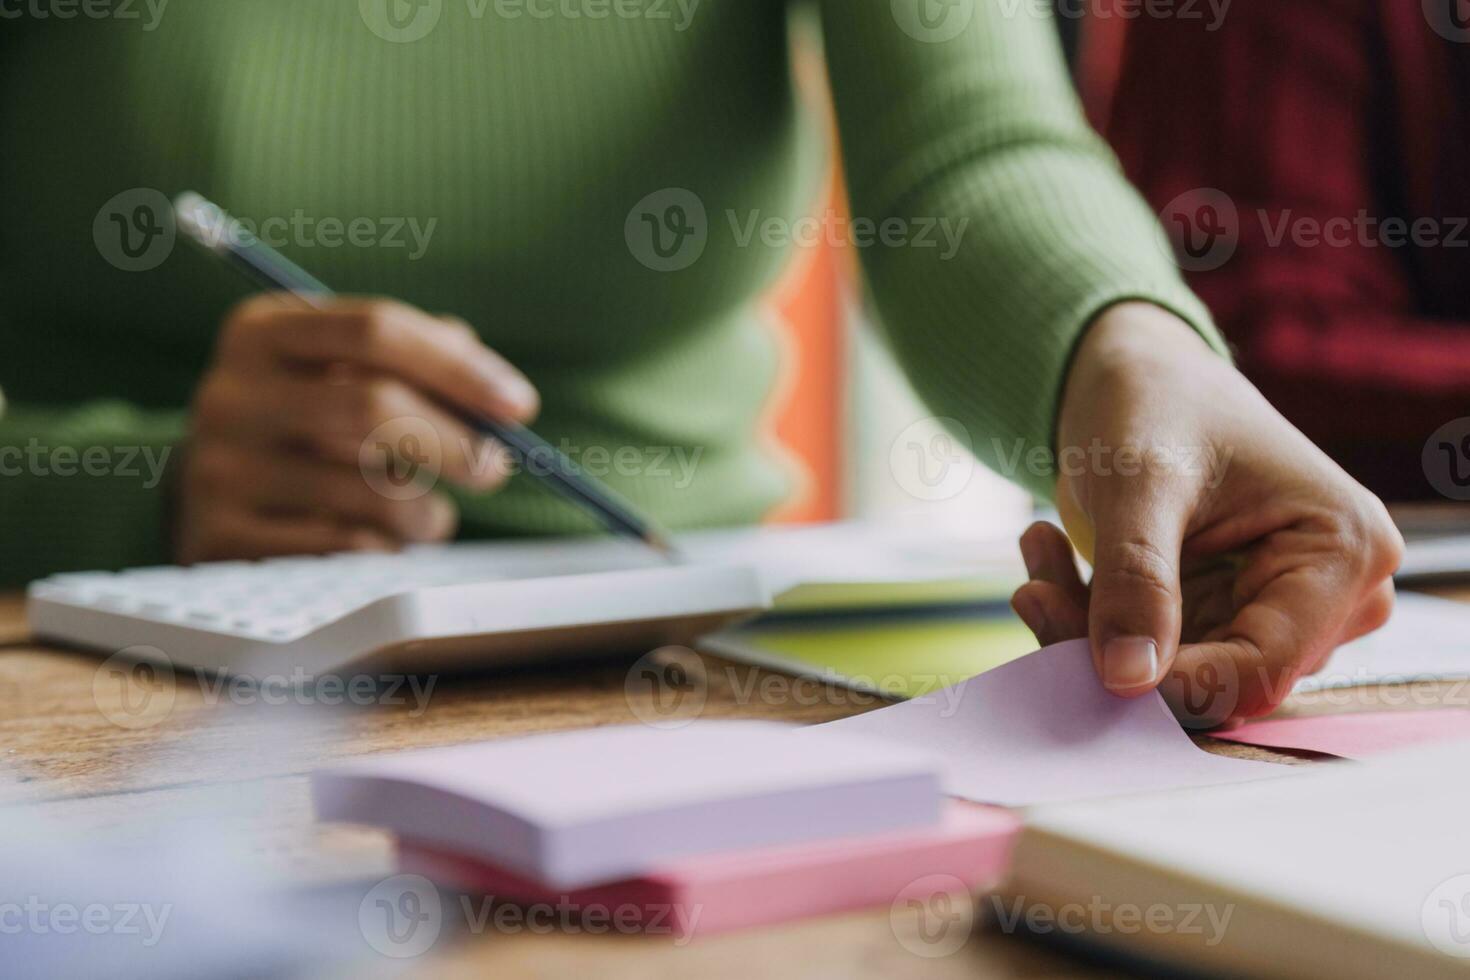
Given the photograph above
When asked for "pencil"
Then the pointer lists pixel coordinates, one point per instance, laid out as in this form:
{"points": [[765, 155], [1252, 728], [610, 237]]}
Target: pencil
{"points": [[209, 226]]}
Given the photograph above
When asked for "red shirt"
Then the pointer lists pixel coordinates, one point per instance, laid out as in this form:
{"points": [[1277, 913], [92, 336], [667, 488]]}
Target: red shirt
{"points": [[1321, 120]]}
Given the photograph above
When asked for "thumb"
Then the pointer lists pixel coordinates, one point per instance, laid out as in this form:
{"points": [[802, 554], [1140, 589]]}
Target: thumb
{"points": [[1135, 612]]}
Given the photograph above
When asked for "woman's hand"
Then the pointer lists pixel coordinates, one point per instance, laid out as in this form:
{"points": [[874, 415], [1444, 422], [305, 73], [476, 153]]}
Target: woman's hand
{"points": [[279, 460], [1230, 556]]}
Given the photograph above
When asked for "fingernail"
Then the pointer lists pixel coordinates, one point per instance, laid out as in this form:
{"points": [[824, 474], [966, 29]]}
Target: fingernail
{"points": [[1129, 662], [518, 392]]}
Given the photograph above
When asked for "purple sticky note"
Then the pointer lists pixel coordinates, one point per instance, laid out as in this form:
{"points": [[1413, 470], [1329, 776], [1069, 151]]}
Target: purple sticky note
{"points": [[1043, 729], [1355, 736]]}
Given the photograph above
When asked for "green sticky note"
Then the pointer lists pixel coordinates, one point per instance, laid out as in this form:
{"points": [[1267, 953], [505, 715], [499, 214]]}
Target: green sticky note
{"points": [[855, 596], [900, 657]]}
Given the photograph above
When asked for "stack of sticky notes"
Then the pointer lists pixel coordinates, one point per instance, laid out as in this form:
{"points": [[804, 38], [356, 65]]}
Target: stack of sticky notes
{"points": [[714, 826]]}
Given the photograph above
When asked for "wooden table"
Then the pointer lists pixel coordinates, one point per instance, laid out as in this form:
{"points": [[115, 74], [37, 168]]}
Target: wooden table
{"points": [[68, 757]]}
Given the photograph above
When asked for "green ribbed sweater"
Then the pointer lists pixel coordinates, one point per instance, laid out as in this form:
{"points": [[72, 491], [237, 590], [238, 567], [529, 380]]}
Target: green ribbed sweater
{"points": [[522, 144]]}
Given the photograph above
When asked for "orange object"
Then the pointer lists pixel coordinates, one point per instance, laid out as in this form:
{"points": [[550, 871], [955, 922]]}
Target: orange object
{"points": [[806, 411]]}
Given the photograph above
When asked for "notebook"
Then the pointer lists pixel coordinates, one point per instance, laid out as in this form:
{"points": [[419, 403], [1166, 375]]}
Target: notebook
{"points": [[573, 809], [1350, 871]]}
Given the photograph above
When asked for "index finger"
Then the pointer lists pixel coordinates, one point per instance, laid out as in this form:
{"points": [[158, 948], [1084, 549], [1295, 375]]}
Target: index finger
{"points": [[442, 358]]}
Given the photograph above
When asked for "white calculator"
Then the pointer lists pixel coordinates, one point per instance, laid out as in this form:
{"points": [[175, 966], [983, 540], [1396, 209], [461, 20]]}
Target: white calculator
{"points": [[437, 607]]}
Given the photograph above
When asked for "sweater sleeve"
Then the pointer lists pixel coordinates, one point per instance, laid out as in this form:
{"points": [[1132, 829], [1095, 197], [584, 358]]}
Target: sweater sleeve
{"points": [[961, 114], [83, 488]]}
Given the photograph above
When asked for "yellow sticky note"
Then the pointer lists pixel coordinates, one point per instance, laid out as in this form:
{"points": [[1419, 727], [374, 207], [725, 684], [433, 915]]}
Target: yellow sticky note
{"points": [[902, 657]]}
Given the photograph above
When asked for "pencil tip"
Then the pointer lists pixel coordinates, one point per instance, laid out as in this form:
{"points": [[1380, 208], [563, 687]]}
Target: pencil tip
{"points": [[665, 547]]}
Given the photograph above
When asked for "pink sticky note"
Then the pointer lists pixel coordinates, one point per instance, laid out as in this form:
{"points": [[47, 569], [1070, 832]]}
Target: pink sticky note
{"points": [[721, 892], [1354, 736], [1043, 729]]}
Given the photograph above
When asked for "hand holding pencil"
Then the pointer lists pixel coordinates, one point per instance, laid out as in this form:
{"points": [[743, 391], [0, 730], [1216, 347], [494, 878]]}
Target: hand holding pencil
{"points": [[274, 460], [334, 374]]}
